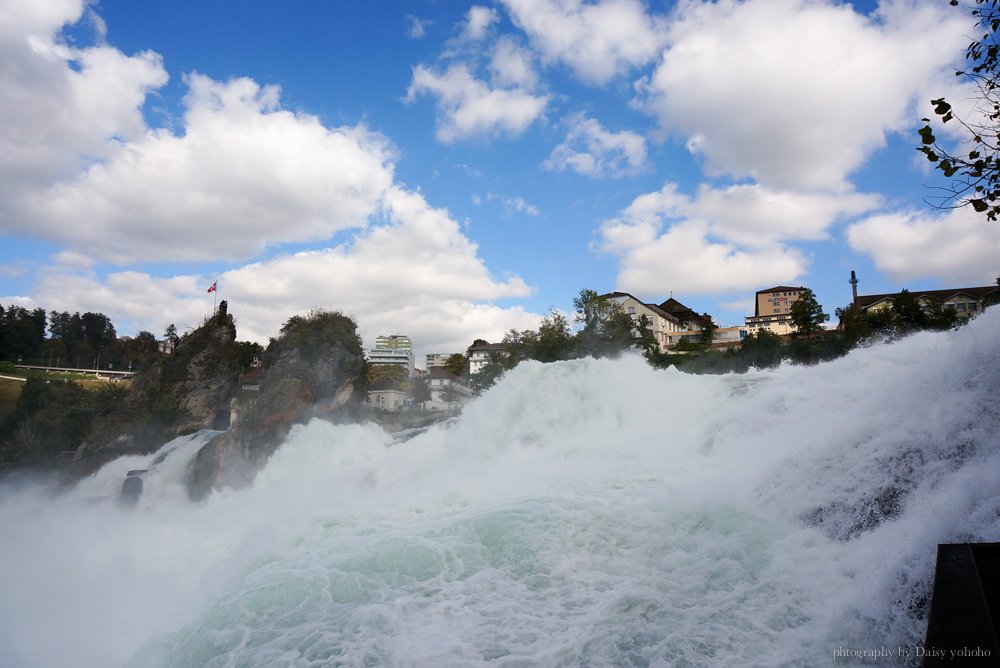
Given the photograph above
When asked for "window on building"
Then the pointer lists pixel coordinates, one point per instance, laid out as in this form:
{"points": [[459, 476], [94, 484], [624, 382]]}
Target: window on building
{"points": [[973, 306], [631, 310], [960, 306]]}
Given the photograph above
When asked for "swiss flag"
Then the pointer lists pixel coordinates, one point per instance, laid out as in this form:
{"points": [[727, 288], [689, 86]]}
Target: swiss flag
{"points": [[212, 289]]}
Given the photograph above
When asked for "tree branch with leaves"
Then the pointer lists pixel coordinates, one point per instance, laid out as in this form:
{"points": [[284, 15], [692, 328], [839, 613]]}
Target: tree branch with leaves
{"points": [[974, 173]]}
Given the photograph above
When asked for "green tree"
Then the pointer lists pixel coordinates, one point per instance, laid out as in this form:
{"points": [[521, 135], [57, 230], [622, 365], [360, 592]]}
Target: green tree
{"points": [[82, 355], [606, 329], [761, 349], [554, 341], [973, 174], [853, 324], [499, 363], [170, 334], [943, 317], [420, 391], [475, 344], [98, 330], [53, 353], [807, 315], [22, 333], [457, 365], [248, 351], [140, 351], [388, 375], [907, 314], [645, 339], [519, 345], [708, 333]]}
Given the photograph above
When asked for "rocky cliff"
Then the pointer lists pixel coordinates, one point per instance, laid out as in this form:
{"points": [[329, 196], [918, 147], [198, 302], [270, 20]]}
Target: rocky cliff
{"points": [[181, 393], [315, 369]]}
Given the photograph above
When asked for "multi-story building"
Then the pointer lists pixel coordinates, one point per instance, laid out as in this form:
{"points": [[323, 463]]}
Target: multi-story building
{"points": [[436, 360], [479, 356], [394, 349], [965, 301], [773, 310], [670, 322], [447, 391]]}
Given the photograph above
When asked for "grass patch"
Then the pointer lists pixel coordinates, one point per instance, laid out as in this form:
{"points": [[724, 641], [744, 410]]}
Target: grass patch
{"points": [[10, 390]]}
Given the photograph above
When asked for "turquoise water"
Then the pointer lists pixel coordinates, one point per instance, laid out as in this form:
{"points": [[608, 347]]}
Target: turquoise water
{"points": [[592, 513]]}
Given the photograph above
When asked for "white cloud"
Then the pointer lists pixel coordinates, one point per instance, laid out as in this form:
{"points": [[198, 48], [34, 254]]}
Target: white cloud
{"points": [[732, 238], [796, 93], [418, 27], [958, 247], [468, 108], [753, 215], [511, 65], [478, 21], [597, 40], [244, 175], [685, 260], [516, 204], [61, 107], [241, 174], [79, 166], [416, 274], [591, 150]]}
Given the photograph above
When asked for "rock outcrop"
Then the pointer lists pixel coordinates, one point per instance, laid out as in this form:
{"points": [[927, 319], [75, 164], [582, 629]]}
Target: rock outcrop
{"points": [[315, 369], [180, 394]]}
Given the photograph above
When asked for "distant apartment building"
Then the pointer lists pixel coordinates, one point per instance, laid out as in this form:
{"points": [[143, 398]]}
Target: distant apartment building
{"points": [[773, 310], [436, 360], [393, 349]]}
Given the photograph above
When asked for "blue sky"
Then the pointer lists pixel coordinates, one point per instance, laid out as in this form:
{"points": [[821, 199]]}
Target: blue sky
{"points": [[453, 170]]}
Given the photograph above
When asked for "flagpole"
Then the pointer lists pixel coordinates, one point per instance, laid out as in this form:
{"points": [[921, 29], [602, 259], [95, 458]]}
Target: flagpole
{"points": [[215, 289]]}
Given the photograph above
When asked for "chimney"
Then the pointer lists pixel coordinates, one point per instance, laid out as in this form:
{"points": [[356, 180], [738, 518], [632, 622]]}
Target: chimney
{"points": [[854, 287]]}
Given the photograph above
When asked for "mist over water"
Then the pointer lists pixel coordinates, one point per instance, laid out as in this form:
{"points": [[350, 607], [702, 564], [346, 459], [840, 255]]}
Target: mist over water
{"points": [[582, 513]]}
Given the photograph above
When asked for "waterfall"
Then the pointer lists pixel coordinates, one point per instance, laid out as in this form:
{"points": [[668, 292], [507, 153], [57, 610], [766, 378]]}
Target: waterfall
{"points": [[590, 512]]}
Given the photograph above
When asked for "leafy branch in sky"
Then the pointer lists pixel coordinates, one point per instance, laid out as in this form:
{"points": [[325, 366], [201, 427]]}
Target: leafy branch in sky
{"points": [[975, 173]]}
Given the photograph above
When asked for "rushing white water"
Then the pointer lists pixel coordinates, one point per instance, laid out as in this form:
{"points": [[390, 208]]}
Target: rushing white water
{"points": [[590, 513]]}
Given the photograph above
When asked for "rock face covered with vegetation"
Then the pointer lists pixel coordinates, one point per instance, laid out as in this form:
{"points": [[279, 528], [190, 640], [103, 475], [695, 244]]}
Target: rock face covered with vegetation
{"points": [[186, 390], [315, 369]]}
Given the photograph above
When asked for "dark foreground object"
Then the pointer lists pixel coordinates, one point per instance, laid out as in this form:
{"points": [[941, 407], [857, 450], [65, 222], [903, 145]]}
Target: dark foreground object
{"points": [[132, 487], [964, 623]]}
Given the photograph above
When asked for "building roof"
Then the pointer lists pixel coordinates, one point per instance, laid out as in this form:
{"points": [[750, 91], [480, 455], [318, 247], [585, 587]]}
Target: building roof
{"points": [[489, 347], [865, 301], [684, 313], [652, 307], [439, 372], [781, 288]]}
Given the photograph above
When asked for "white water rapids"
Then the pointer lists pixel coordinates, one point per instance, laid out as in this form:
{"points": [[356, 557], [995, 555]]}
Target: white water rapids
{"points": [[596, 513]]}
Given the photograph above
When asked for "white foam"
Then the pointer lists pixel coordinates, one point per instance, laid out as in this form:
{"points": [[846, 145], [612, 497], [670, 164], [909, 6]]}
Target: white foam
{"points": [[587, 512]]}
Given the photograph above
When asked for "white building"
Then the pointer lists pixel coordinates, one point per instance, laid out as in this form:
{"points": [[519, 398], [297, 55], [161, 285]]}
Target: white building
{"points": [[479, 356], [668, 330], [448, 392], [436, 360], [389, 399], [394, 349]]}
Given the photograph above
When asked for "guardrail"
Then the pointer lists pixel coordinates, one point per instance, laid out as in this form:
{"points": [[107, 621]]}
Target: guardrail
{"points": [[96, 372]]}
